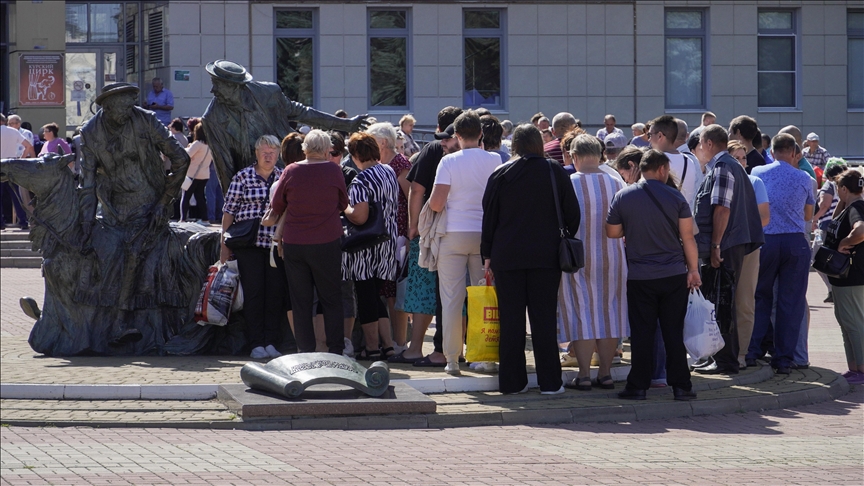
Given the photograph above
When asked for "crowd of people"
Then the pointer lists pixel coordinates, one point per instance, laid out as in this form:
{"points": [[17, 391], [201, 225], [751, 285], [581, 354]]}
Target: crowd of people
{"points": [[657, 214]]}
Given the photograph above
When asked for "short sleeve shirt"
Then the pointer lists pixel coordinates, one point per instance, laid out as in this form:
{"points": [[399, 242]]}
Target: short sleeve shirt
{"points": [[467, 173], [10, 140], [789, 190], [759, 189], [837, 232], [652, 246], [426, 166], [247, 198]]}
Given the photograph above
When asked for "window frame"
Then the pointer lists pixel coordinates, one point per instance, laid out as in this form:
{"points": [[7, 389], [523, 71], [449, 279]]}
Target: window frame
{"points": [[501, 33], [293, 33], [794, 33], [406, 34], [701, 34], [852, 34]]}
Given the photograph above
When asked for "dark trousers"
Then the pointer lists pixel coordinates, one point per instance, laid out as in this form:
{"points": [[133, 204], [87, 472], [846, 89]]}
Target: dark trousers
{"points": [[310, 267], [198, 189], [536, 290], [370, 307], [263, 296], [786, 259], [727, 358], [663, 299], [10, 191]]}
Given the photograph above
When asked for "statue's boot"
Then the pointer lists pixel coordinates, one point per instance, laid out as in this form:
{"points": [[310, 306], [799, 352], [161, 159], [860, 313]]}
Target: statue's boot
{"points": [[131, 335], [30, 307]]}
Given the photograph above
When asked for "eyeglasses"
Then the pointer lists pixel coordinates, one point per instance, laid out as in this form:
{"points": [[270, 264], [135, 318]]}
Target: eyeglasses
{"points": [[653, 134]]}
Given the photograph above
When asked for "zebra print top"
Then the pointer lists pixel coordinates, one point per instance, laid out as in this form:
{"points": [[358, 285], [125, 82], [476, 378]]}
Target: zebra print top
{"points": [[377, 183]]}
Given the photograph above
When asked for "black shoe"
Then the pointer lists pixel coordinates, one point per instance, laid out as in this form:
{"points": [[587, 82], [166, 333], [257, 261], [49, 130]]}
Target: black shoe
{"points": [[631, 394], [30, 307], [24, 226], [682, 394], [782, 370], [750, 362], [829, 299], [127, 336], [795, 366], [716, 370]]}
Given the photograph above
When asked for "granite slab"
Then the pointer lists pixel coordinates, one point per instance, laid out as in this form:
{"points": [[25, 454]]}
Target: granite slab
{"points": [[323, 401]]}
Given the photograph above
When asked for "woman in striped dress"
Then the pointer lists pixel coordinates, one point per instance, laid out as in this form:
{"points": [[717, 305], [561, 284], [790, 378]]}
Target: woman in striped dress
{"points": [[592, 303], [370, 267]]}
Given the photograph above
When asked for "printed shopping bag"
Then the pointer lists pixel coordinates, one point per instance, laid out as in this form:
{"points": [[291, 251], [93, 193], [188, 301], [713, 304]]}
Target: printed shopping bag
{"points": [[217, 295], [483, 327]]}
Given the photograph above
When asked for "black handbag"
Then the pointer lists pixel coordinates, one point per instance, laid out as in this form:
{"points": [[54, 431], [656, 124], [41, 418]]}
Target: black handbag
{"points": [[832, 263], [372, 232], [242, 234], [571, 252]]}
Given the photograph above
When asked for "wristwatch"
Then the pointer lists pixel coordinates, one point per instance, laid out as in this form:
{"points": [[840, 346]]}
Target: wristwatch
{"points": [[717, 246]]}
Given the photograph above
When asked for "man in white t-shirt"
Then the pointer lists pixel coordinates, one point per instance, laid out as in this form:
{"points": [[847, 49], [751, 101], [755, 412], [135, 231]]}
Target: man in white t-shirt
{"points": [[685, 168], [608, 127], [460, 183], [15, 122], [11, 140]]}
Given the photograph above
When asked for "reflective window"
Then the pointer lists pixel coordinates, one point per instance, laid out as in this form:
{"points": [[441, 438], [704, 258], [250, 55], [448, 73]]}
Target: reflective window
{"points": [[296, 39], [483, 48], [388, 58], [777, 64], [855, 59], [685, 59]]}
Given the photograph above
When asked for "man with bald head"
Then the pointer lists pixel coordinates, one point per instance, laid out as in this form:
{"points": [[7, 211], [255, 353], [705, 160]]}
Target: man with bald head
{"points": [[561, 124], [803, 164]]}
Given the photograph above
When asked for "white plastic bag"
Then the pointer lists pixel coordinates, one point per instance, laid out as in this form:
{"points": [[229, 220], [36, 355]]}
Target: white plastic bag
{"points": [[701, 332], [217, 296]]}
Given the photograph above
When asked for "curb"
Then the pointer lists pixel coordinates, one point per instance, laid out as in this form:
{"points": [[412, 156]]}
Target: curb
{"points": [[448, 384], [626, 412]]}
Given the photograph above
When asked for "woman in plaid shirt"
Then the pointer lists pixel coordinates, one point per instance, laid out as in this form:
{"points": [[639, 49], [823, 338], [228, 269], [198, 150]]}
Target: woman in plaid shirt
{"points": [[263, 286]]}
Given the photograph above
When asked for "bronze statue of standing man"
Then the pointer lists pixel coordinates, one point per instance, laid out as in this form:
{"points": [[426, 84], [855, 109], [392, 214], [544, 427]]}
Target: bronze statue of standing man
{"points": [[243, 110]]}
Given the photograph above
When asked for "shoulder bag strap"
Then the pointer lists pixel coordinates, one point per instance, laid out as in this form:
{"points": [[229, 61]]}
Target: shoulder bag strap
{"points": [[657, 203], [684, 172], [557, 200]]}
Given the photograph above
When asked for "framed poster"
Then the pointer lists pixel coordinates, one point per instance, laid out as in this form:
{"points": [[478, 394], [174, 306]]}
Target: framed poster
{"points": [[41, 79]]}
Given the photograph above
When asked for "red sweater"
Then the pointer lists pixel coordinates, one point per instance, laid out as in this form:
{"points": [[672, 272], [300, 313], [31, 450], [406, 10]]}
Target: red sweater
{"points": [[312, 196]]}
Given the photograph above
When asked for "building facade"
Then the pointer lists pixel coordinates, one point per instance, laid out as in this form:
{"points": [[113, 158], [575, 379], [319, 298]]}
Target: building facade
{"points": [[790, 62]]}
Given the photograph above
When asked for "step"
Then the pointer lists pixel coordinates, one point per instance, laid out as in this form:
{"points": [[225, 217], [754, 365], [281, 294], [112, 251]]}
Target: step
{"points": [[16, 245], [12, 233], [17, 252], [21, 262], [467, 409]]}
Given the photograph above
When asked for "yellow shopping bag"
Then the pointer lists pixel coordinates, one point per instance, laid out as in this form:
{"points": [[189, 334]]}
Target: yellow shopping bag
{"points": [[484, 331]]}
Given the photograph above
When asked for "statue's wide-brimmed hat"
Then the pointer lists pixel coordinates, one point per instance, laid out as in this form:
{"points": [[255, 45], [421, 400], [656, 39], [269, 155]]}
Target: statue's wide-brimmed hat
{"points": [[116, 88], [228, 71]]}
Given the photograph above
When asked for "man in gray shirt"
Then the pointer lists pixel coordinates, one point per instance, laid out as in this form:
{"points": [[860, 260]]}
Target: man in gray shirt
{"points": [[663, 265]]}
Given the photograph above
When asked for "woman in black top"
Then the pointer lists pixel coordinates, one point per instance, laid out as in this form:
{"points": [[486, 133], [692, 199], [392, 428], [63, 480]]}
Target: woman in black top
{"points": [[846, 234], [519, 242]]}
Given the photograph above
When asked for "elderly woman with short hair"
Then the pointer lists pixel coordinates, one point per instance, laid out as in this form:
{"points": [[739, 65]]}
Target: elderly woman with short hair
{"points": [[312, 194], [263, 286], [406, 129]]}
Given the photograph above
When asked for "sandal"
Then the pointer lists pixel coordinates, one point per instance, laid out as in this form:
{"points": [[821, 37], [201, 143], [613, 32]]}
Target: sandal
{"points": [[384, 353], [426, 361], [368, 355], [601, 382], [400, 358], [582, 383]]}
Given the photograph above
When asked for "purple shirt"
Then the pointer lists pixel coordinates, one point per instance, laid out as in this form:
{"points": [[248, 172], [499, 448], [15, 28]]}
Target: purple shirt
{"points": [[51, 147]]}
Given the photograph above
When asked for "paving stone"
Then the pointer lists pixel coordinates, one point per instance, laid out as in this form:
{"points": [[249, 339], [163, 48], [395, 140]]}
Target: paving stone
{"points": [[661, 410], [102, 392], [523, 417], [381, 422]]}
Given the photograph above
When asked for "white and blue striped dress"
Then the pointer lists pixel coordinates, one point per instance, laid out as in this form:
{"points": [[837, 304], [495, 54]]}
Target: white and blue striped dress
{"points": [[377, 183], [592, 303]]}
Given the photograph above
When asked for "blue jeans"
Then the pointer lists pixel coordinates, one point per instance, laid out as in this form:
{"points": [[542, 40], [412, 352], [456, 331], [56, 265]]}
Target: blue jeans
{"points": [[214, 196], [786, 259]]}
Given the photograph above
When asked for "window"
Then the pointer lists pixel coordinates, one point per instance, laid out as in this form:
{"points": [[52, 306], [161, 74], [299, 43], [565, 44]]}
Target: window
{"points": [[388, 58], [97, 22], [777, 59], [483, 33], [855, 59], [296, 53], [685, 59]]}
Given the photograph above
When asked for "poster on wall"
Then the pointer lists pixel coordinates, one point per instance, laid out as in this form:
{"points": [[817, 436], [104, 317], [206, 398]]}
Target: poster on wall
{"points": [[41, 79]]}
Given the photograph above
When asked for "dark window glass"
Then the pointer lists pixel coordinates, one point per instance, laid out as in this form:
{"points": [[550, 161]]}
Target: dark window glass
{"points": [[855, 72], [293, 19], [482, 71], [388, 71], [776, 54], [777, 89], [294, 65], [855, 21], [389, 19], [482, 19]]}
